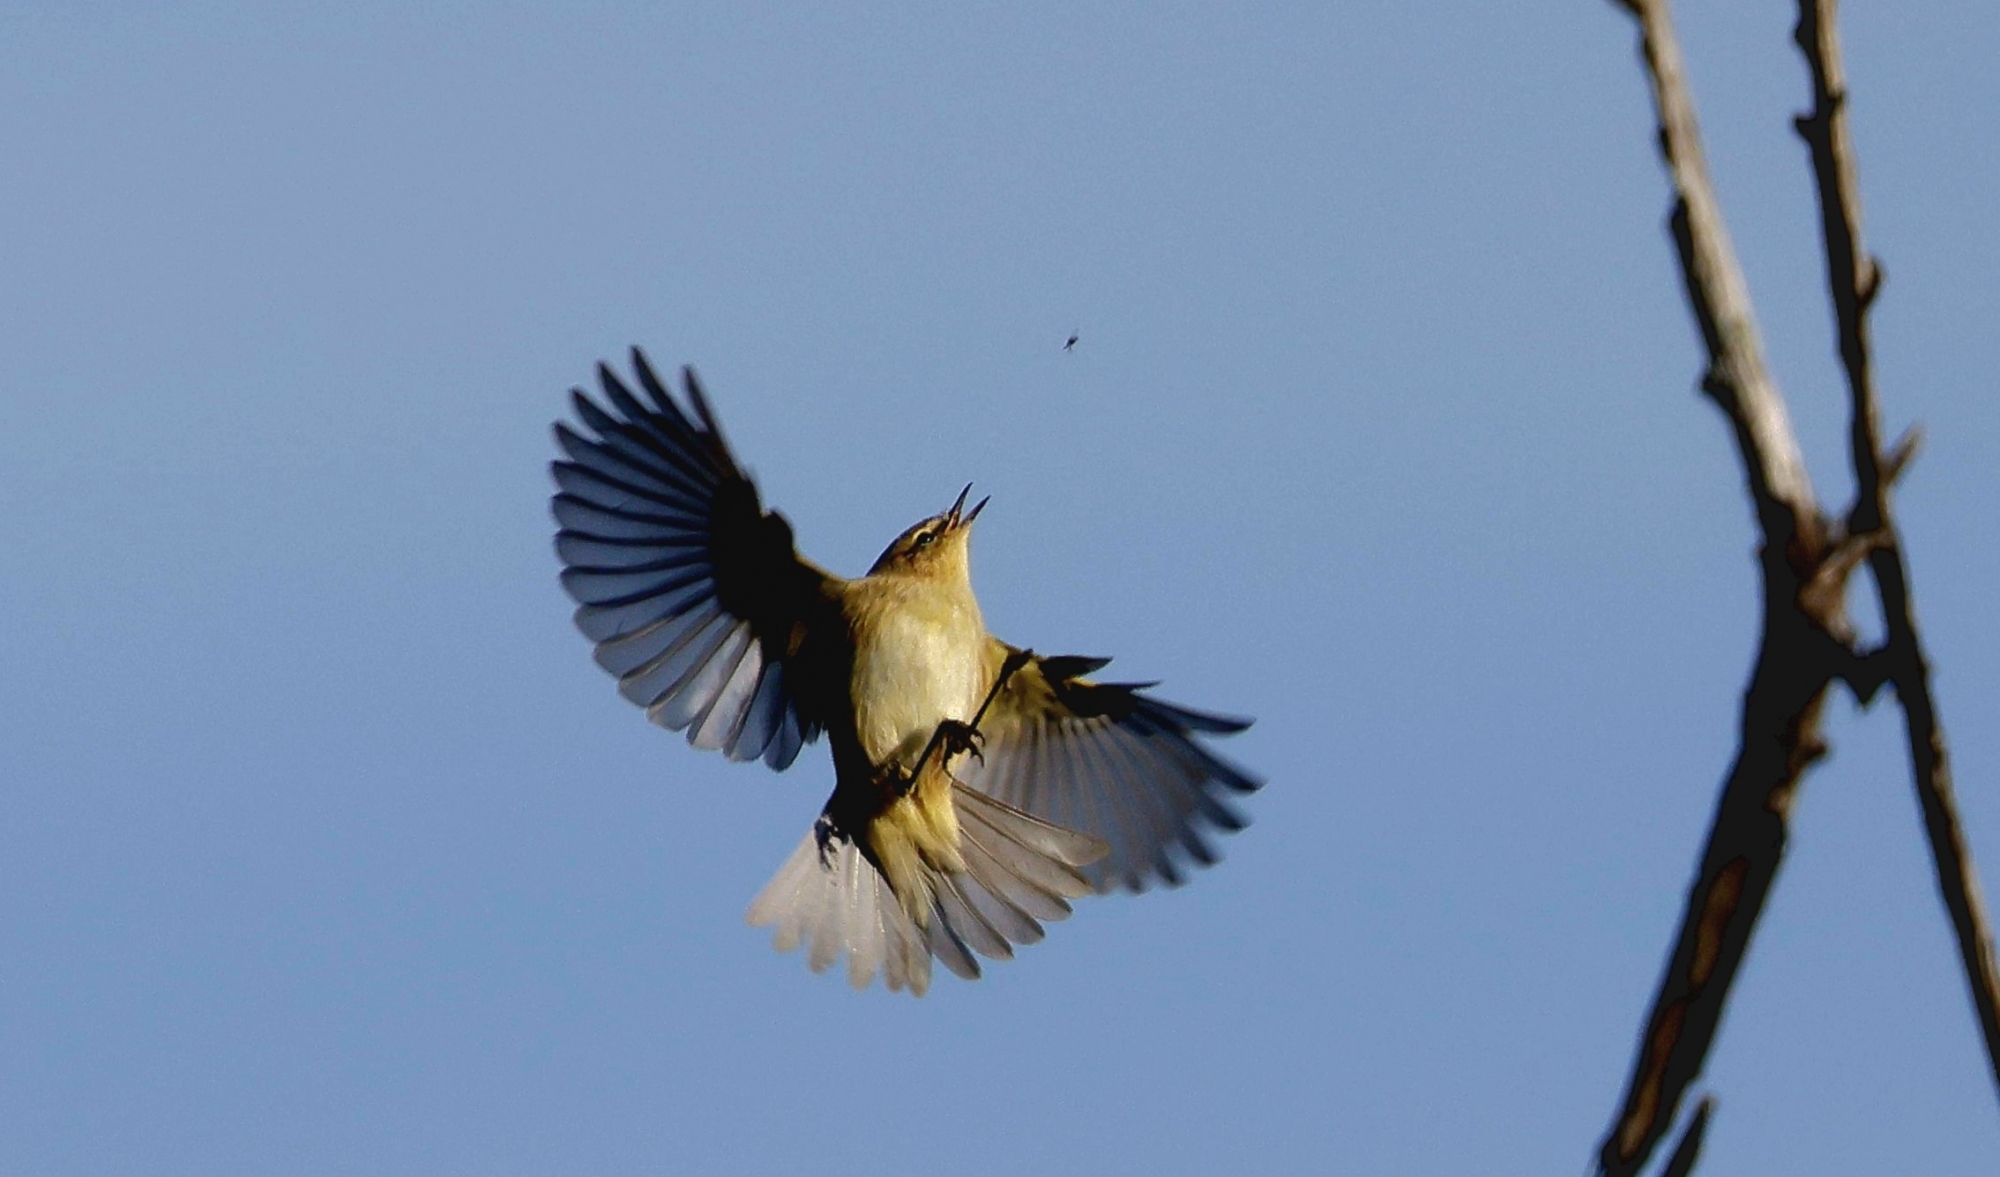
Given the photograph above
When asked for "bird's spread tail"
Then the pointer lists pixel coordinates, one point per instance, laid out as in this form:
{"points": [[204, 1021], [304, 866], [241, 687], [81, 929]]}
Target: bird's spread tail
{"points": [[1018, 870]]}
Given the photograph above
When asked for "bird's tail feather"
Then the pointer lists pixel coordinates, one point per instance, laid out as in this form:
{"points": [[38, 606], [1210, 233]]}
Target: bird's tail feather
{"points": [[1019, 870]]}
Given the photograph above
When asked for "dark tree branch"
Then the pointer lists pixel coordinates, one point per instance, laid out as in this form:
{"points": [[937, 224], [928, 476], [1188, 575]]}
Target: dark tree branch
{"points": [[1807, 643], [1853, 280], [1839, 563], [1688, 1151], [1866, 673], [1902, 454], [1781, 706]]}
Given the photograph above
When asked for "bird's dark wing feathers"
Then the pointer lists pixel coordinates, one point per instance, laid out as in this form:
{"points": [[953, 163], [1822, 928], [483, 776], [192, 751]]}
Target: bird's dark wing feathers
{"points": [[1107, 759], [694, 594]]}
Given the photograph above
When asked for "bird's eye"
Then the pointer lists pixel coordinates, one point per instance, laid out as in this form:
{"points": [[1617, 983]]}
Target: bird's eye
{"points": [[923, 540]]}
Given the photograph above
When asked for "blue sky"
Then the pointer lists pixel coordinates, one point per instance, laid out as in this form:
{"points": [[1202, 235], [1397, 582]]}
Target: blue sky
{"points": [[327, 850]]}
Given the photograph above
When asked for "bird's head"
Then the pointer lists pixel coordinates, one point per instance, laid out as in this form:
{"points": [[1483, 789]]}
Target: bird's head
{"points": [[937, 547]]}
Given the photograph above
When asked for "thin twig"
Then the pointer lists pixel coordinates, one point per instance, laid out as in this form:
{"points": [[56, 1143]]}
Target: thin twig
{"points": [[1014, 661], [1688, 1151], [1853, 280], [1737, 377]]}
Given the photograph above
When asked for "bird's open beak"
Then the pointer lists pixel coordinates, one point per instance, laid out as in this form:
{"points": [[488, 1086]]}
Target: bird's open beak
{"points": [[958, 516]]}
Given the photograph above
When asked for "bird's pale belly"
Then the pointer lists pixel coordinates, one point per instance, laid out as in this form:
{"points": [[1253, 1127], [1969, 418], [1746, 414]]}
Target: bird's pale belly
{"points": [[910, 672]]}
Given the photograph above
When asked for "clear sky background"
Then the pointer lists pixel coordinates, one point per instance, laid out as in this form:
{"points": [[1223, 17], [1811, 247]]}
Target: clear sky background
{"points": [[324, 848]]}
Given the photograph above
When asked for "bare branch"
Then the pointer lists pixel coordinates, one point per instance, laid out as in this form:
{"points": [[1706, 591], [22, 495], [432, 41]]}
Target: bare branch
{"points": [[1781, 706], [1852, 276], [1901, 454], [1746, 845], [1737, 377], [1688, 1151], [1958, 881], [1807, 642], [1866, 673], [1853, 280], [1817, 594]]}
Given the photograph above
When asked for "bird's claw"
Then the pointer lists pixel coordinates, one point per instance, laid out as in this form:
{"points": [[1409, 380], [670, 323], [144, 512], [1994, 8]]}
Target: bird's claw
{"points": [[900, 782], [956, 736]]}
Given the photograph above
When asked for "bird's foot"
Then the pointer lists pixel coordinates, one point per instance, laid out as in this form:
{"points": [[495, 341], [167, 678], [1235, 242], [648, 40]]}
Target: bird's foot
{"points": [[955, 736], [895, 780]]}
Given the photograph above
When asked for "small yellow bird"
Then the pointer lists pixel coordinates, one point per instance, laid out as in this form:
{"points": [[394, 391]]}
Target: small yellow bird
{"points": [[978, 787]]}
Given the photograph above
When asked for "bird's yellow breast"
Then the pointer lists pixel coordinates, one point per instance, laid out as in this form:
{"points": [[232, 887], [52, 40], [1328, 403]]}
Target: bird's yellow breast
{"points": [[919, 658]]}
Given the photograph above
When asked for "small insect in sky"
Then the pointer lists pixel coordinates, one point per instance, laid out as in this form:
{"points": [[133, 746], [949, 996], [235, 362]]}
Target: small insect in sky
{"points": [[1070, 344]]}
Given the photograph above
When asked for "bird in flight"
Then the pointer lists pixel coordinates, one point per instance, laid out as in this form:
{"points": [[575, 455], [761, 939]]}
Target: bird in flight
{"points": [[1070, 343], [978, 787]]}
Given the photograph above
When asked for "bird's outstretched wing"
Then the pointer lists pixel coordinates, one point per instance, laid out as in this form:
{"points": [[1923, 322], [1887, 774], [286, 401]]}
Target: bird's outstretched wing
{"points": [[1109, 760], [694, 594]]}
